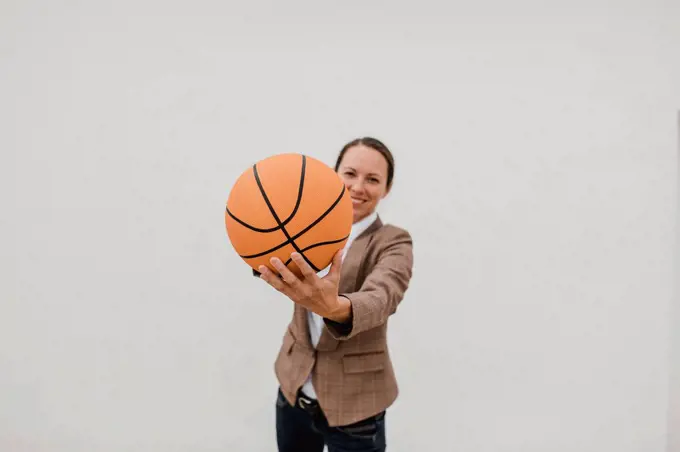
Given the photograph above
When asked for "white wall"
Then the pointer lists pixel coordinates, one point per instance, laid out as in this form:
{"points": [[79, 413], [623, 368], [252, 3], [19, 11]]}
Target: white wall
{"points": [[674, 405], [537, 164]]}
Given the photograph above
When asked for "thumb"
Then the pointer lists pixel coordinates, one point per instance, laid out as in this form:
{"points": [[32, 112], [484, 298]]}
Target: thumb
{"points": [[336, 263]]}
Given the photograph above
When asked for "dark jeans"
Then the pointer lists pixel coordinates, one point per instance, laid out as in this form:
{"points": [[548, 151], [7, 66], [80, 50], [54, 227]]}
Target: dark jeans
{"points": [[298, 430]]}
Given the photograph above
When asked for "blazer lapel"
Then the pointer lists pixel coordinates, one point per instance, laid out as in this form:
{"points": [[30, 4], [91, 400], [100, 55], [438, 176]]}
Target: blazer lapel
{"points": [[348, 276], [355, 254]]}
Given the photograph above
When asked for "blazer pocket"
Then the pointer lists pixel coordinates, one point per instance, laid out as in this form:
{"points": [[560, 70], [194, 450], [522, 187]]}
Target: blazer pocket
{"points": [[364, 362]]}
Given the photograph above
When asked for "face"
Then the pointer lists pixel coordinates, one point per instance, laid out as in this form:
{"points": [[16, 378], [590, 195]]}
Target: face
{"points": [[364, 171]]}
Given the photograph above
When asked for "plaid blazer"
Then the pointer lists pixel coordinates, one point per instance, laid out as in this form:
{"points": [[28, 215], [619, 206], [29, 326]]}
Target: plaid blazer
{"points": [[351, 368]]}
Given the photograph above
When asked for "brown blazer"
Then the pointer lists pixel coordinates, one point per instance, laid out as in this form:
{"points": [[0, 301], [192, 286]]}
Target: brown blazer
{"points": [[352, 371]]}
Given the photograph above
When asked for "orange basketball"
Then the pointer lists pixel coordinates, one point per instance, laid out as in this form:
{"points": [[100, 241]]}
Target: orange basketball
{"points": [[286, 203]]}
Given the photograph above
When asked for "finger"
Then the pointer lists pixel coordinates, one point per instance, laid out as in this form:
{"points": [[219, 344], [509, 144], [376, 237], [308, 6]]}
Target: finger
{"points": [[273, 280], [306, 270], [287, 275], [336, 263]]}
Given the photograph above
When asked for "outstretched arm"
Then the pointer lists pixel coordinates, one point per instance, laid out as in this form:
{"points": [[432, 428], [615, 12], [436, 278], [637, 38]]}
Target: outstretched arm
{"points": [[382, 290]]}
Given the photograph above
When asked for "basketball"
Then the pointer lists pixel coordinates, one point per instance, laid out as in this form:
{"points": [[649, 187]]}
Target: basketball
{"points": [[286, 203]]}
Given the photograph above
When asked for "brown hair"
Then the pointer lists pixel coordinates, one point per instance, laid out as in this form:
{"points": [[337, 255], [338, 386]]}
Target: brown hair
{"points": [[375, 144]]}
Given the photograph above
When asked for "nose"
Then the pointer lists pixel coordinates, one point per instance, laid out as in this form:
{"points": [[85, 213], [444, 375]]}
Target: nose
{"points": [[356, 187]]}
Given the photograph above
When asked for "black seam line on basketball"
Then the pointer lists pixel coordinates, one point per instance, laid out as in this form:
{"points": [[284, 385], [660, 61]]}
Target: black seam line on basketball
{"points": [[292, 214], [276, 217], [316, 245], [296, 236], [317, 221]]}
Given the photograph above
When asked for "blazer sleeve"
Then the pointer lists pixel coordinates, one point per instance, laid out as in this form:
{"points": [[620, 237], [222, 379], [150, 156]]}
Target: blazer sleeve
{"points": [[381, 291]]}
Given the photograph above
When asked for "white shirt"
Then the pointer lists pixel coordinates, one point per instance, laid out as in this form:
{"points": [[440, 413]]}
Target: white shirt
{"points": [[315, 321]]}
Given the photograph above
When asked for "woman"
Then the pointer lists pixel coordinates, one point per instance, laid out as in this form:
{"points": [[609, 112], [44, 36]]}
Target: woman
{"points": [[334, 369]]}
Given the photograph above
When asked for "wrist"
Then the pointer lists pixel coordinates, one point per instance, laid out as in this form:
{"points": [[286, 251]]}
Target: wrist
{"points": [[342, 311]]}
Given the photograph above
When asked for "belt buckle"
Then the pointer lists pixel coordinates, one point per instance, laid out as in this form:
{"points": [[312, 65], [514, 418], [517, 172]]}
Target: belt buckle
{"points": [[306, 404]]}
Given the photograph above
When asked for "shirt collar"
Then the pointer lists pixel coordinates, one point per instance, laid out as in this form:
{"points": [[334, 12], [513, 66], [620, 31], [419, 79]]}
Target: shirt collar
{"points": [[361, 225]]}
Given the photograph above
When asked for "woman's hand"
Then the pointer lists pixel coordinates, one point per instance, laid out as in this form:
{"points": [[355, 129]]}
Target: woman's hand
{"points": [[319, 295]]}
